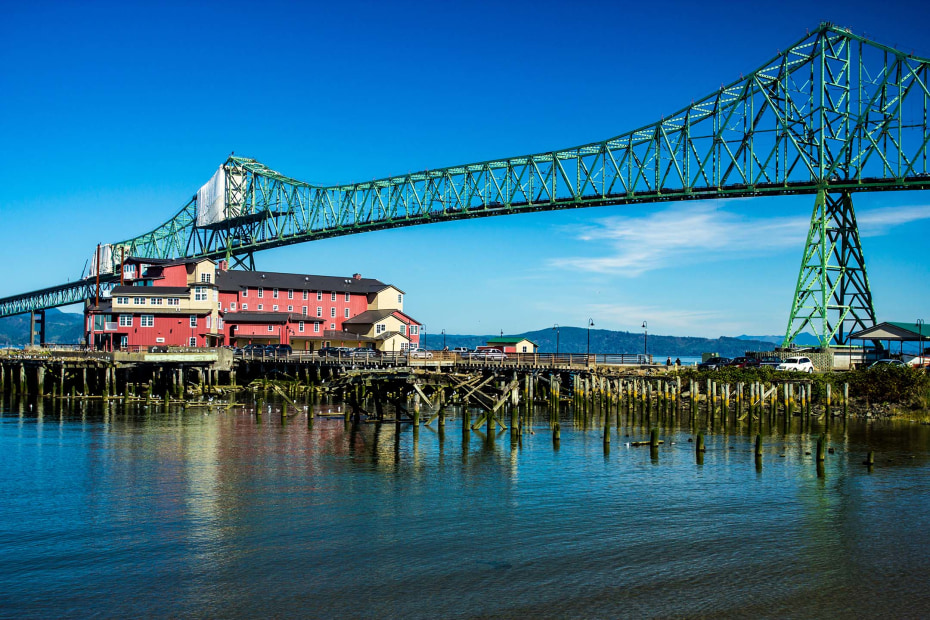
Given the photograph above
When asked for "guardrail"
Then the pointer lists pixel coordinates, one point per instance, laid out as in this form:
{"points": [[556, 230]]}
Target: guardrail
{"points": [[449, 357]]}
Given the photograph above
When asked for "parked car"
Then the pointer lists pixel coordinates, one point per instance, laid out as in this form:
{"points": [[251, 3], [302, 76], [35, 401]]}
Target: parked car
{"points": [[279, 350], [363, 352], [418, 353], [799, 364], [714, 363], [253, 349], [488, 354], [887, 362], [770, 361], [744, 362], [462, 351]]}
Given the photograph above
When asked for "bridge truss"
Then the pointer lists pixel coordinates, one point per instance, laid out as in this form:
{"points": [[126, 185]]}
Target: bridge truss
{"points": [[832, 115]]}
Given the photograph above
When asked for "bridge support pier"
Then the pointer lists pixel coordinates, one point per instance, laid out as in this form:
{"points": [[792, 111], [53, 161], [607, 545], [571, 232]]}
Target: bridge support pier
{"points": [[832, 297]]}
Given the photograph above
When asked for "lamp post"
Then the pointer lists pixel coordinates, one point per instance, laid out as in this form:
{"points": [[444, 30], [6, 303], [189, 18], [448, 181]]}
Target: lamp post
{"points": [[920, 330], [645, 340], [590, 325], [443, 340], [556, 328]]}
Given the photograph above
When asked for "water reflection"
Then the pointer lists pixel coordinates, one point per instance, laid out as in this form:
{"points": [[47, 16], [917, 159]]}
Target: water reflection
{"points": [[123, 503]]}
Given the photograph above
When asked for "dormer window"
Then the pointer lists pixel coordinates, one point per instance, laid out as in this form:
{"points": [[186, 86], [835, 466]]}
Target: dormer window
{"points": [[205, 278]]}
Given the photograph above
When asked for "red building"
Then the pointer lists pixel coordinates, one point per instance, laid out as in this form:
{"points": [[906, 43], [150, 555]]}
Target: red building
{"points": [[199, 303]]}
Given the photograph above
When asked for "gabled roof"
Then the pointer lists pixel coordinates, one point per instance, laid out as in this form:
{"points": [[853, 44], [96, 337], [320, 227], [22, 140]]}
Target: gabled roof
{"points": [[510, 340], [893, 330], [369, 317], [233, 281]]}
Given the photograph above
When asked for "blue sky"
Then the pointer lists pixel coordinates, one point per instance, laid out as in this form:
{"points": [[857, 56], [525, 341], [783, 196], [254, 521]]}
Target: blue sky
{"points": [[113, 114]]}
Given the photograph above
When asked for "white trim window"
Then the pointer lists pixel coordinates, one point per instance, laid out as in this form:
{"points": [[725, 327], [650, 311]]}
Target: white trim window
{"points": [[306, 295], [123, 301], [274, 308], [271, 328], [319, 295], [261, 293], [146, 320], [300, 326], [332, 313], [157, 301], [347, 313], [232, 306], [316, 328], [200, 293], [245, 292], [347, 298], [193, 320], [290, 293], [319, 312], [138, 301], [379, 328], [205, 278], [125, 320], [403, 329], [245, 307], [274, 293], [332, 326], [261, 306], [400, 298], [174, 301], [209, 321], [290, 308], [414, 330], [192, 341], [304, 310], [332, 296]]}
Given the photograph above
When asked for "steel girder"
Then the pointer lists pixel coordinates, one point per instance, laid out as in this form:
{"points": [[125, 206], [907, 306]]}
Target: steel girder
{"points": [[834, 112]]}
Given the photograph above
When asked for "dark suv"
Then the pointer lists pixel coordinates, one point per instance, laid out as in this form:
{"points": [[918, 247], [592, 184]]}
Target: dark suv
{"points": [[714, 363], [279, 350]]}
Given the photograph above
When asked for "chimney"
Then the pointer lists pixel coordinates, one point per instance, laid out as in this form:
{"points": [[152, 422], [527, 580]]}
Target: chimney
{"points": [[223, 265], [357, 276]]}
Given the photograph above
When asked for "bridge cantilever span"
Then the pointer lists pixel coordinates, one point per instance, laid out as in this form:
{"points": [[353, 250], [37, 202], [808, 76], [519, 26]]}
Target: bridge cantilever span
{"points": [[833, 114]]}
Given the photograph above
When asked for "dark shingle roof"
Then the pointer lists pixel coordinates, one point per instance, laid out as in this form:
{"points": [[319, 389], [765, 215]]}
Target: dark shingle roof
{"points": [[268, 317], [369, 316], [234, 280]]}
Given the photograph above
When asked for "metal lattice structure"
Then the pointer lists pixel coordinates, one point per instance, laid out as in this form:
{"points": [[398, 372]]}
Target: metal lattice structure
{"points": [[833, 113]]}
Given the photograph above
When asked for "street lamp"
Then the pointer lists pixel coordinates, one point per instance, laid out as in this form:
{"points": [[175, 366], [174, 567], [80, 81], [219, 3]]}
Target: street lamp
{"points": [[920, 343], [556, 328], [645, 339], [443, 340], [590, 325]]}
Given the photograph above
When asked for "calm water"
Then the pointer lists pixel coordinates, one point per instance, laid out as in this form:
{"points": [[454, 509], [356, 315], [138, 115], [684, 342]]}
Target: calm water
{"points": [[154, 513]]}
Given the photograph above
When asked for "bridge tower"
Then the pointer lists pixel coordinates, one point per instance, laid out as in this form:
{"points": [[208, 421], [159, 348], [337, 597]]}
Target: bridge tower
{"points": [[832, 297]]}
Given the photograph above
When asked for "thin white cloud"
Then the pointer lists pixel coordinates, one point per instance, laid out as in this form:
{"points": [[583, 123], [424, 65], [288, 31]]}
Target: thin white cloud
{"points": [[703, 232]]}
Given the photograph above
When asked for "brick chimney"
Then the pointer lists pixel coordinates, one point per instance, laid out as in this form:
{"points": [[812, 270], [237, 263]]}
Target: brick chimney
{"points": [[357, 276]]}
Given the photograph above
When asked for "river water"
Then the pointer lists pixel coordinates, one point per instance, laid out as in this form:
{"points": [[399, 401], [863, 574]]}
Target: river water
{"points": [[147, 512]]}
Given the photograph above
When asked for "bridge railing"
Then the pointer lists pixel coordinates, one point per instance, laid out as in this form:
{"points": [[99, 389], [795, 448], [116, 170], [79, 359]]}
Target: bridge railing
{"points": [[400, 358]]}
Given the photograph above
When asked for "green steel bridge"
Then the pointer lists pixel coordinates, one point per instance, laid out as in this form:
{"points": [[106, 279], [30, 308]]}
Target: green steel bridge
{"points": [[833, 114]]}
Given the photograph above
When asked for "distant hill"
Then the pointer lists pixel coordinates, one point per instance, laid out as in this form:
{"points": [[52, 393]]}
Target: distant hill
{"points": [[61, 327], [804, 339], [574, 340]]}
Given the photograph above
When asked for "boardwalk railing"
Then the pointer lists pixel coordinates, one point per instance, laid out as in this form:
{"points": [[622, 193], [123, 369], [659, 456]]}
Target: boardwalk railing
{"points": [[423, 358]]}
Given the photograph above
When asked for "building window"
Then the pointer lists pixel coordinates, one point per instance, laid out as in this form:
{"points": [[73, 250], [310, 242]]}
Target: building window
{"points": [[400, 298], [290, 293], [125, 320], [300, 326], [261, 306], [147, 320], [193, 320], [157, 301], [305, 295], [124, 341], [219, 323], [122, 300], [347, 298], [205, 278], [261, 293], [316, 328], [271, 328], [232, 305], [129, 271], [274, 293], [332, 296], [332, 326], [200, 293], [524, 349], [290, 308], [245, 292], [379, 328], [209, 321], [138, 301], [304, 310], [319, 295], [319, 311], [414, 330], [274, 308], [347, 313], [332, 313], [174, 301], [245, 306], [192, 341], [403, 329]]}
